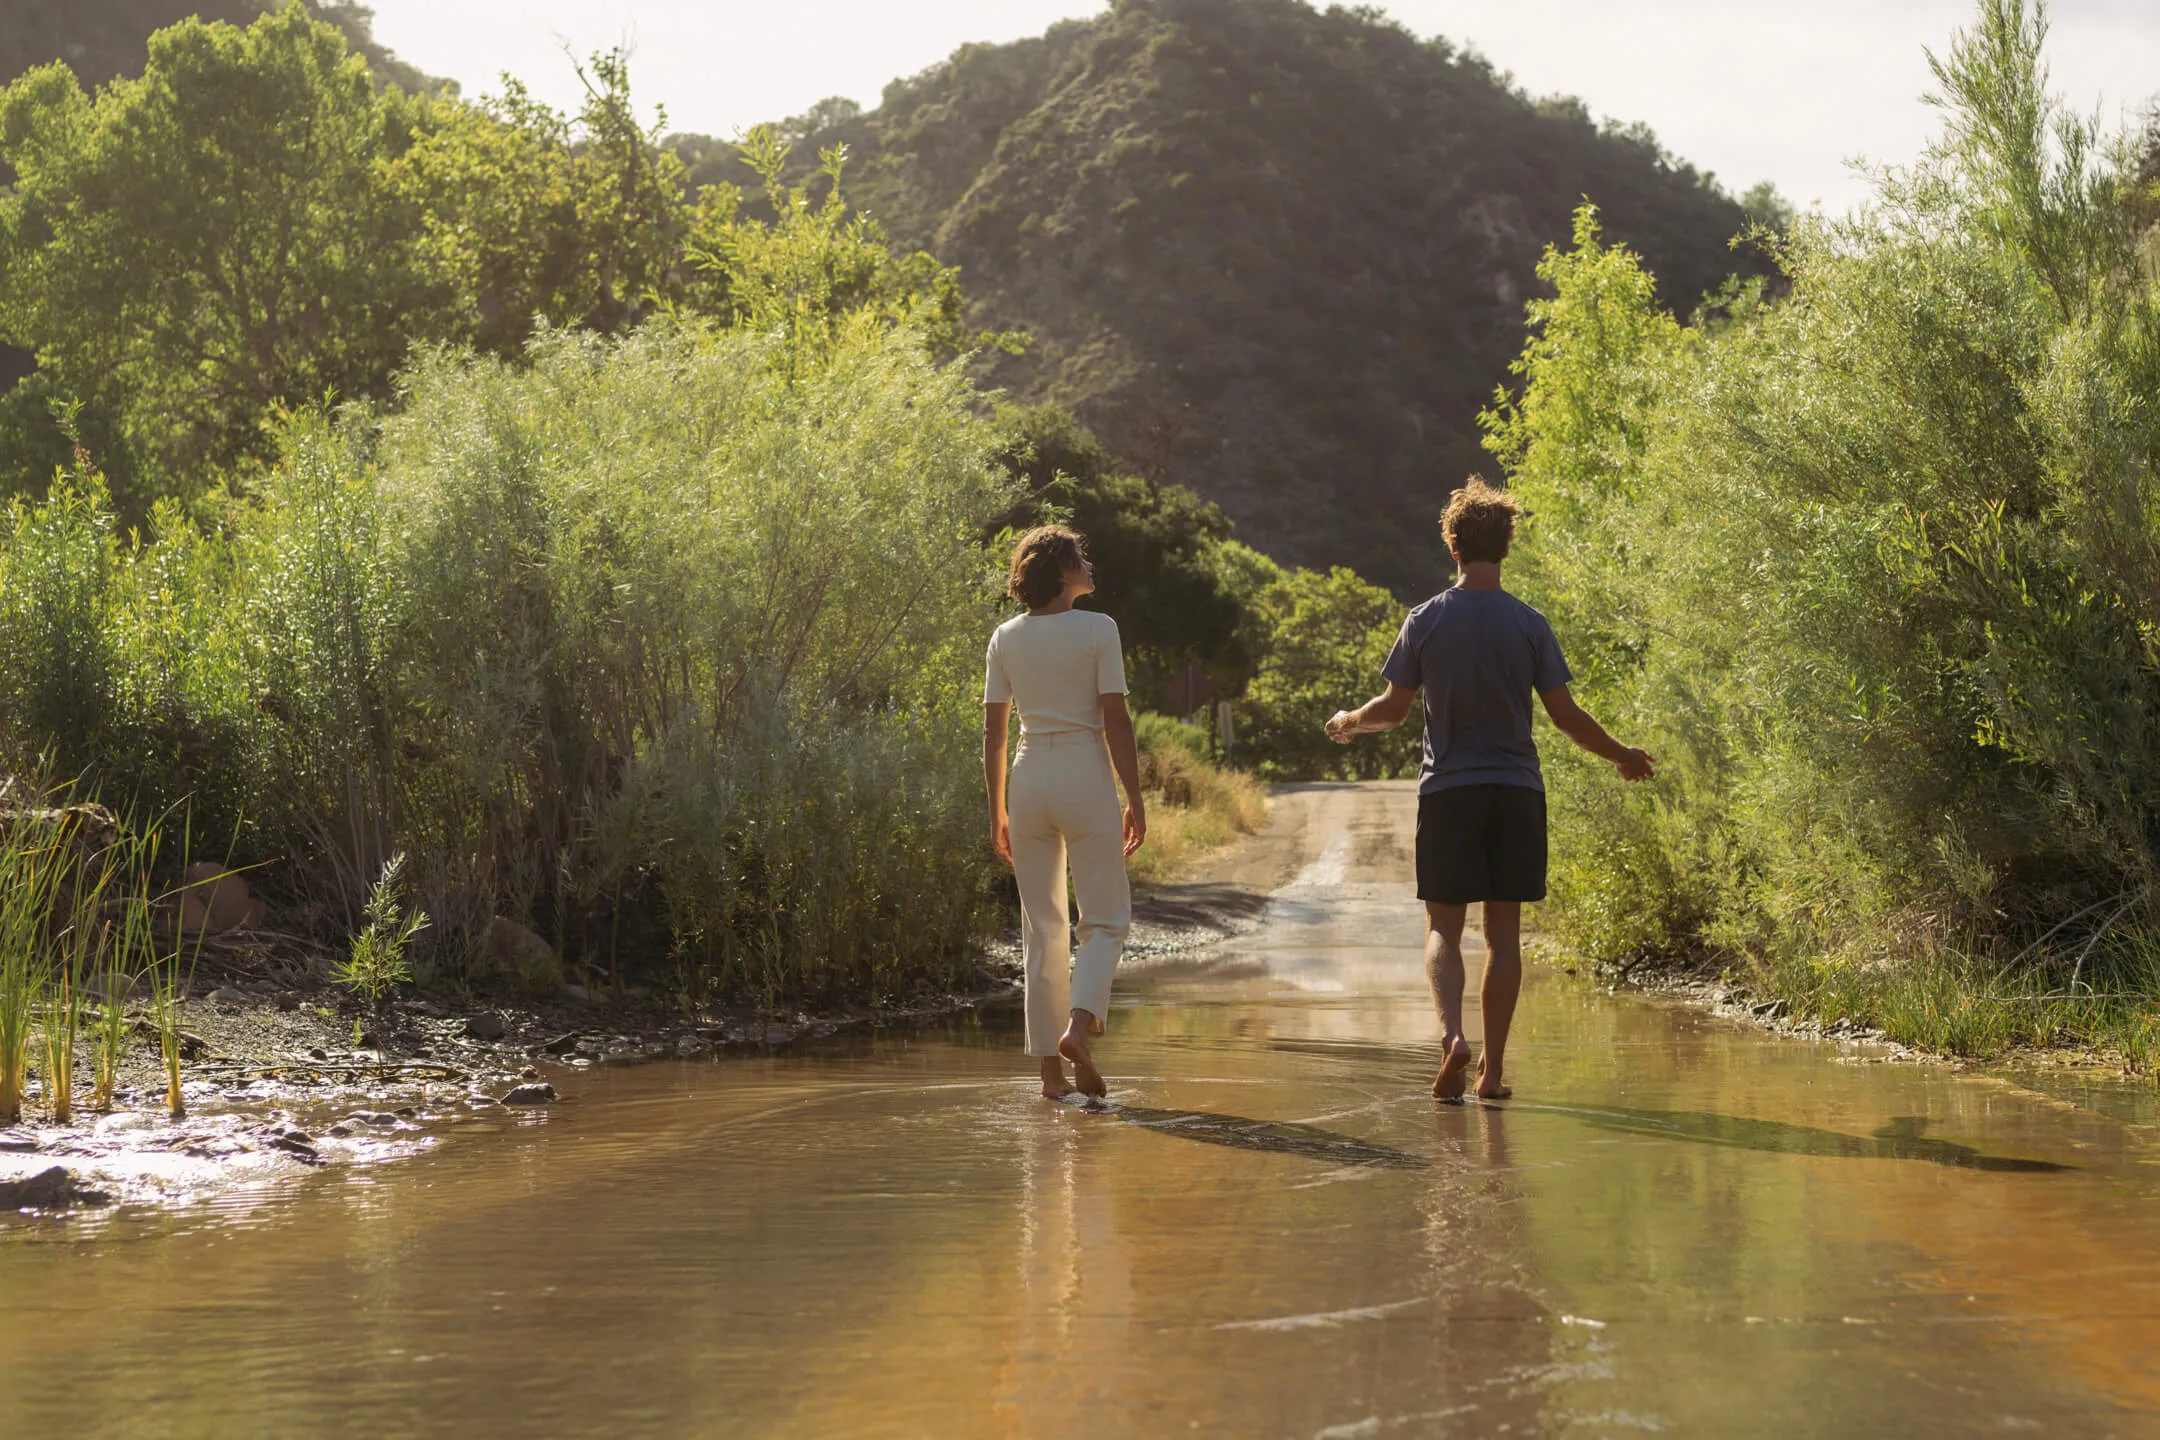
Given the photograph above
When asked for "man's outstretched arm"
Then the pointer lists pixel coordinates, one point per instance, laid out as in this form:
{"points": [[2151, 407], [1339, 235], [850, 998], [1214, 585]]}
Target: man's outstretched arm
{"points": [[1382, 712], [1581, 727]]}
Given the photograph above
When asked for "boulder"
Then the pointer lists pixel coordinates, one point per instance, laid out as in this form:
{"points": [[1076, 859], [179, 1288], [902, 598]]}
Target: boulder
{"points": [[216, 901], [53, 1189], [509, 949]]}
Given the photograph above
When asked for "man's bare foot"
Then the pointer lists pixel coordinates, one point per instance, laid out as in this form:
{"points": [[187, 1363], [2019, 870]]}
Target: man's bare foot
{"points": [[1489, 1087], [1054, 1084], [1448, 1085], [1073, 1046]]}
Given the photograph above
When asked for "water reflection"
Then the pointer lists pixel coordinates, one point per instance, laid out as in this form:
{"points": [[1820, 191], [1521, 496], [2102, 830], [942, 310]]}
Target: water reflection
{"points": [[1901, 1139]]}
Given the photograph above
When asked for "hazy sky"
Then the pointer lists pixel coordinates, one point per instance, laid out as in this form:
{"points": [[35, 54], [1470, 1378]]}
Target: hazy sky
{"points": [[1748, 89]]}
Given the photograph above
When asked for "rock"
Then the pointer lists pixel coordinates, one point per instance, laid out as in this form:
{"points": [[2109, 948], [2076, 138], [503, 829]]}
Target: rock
{"points": [[298, 1147], [575, 994], [18, 1142], [225, 997], [487, 1025], [692, 1045], [217, 901], [371, 1117], [528, 1073], [561, 1045], [427, 1008], [637, 994], [318, 1053], [53, 1189], [541, 1093], [509, 949], [339, 1131], [288, 1000]]}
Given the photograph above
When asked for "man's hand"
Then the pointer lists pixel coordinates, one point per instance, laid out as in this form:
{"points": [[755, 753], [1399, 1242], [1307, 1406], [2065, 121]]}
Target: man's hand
{"points": [[1343, 728], [1634, 765]]}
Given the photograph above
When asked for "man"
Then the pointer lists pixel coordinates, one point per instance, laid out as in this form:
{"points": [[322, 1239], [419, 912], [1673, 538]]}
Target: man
{"points": [[1478, 653]]}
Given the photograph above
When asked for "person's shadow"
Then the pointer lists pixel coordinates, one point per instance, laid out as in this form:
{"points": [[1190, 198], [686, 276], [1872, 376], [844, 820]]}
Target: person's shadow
{"points": [[1280, 1136], [1901, 1139]]}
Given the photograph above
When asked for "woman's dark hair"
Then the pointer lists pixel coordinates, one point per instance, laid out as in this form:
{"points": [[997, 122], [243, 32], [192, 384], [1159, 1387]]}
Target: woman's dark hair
{"points": [[1040, 561]]}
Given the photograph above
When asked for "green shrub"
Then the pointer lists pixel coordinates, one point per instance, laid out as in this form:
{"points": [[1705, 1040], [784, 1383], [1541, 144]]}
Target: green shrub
{"points": [[645, 642], [1869, 568]]}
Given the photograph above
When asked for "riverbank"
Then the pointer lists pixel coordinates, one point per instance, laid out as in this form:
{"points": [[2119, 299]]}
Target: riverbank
{"points": [[282, 1068], [1949, 1012]]}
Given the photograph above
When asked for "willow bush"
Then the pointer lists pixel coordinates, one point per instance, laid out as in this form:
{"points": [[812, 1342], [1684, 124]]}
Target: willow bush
{"points": [[657, 644], [1873, 568]]}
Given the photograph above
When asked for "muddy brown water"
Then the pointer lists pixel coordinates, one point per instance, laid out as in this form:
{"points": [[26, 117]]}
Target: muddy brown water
{"points": [[1679, 1226]]}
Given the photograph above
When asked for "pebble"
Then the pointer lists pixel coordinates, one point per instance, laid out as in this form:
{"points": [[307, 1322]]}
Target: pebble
{"points": [[225, 997], [539, 1093], [288, 1000]]}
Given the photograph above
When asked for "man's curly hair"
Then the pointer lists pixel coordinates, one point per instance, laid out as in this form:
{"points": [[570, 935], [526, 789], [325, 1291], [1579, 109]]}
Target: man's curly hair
{"points": [[1479, 521], [1039, 563]]}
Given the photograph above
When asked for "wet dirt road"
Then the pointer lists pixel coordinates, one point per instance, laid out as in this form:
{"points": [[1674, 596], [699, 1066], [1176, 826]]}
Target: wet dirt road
{"points": [[1679, 1226]]}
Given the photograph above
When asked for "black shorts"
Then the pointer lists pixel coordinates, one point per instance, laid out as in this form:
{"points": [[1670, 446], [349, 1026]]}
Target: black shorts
{"points": [[1481, 842]]}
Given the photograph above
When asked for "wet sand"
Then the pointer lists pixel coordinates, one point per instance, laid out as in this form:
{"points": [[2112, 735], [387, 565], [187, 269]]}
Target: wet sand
{"points": [[1680, 1225]]}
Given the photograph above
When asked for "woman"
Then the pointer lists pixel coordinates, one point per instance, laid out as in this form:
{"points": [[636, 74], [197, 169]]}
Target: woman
{"points": [[1062, 668]]}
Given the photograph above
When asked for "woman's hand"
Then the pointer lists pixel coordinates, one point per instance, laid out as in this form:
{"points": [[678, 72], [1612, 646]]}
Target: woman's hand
{"points": [[1135, 828], [1001, 837]]}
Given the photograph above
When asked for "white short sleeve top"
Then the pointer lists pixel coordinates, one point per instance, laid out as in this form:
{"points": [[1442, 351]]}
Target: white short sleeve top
{"points": [[1055, 669]]}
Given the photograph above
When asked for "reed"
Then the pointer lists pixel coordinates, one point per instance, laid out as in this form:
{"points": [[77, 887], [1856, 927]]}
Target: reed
{"points": [[34, 865]]}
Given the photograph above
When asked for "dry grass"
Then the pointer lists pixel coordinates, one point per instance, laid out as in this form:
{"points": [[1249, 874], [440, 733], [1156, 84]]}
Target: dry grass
{"points": [[1195, 807]]}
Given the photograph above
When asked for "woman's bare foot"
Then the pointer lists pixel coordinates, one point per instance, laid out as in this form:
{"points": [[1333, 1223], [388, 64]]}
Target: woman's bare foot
{"points": [[1054, 1084], [1489, 1086], [1074, 1047], [1448, 1085]]}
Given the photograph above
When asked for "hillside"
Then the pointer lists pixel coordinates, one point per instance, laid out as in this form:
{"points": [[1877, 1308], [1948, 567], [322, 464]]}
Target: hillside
{"points": [[1274, 253], [104, 39]]}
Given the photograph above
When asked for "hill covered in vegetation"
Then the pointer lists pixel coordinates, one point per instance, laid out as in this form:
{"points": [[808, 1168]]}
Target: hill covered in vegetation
{"points": [[1274, 253], [103, 40]]}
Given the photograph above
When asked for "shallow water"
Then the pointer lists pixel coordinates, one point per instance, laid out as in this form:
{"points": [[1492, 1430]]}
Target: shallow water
{"points": [[1679, 1226]]}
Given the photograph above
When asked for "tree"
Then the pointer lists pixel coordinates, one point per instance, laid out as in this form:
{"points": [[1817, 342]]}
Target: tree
{"points": [[1328, 632], [1154, 547], [192, 247], [527, 214]]}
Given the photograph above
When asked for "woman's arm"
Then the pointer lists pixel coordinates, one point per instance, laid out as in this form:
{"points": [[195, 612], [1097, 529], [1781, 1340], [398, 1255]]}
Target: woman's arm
{"points": [[994, 717], [1125, 755]]}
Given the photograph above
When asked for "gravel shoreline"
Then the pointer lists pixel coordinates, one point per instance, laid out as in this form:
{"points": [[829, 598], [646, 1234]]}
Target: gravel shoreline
{"points": [[273, 1081]]}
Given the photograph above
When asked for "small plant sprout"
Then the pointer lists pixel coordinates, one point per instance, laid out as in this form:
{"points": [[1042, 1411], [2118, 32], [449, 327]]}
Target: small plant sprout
{"points": [[376, 965]]}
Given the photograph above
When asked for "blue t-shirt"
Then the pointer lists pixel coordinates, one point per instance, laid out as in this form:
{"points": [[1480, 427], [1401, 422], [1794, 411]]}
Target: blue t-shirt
{"points": [[1478, 655]]}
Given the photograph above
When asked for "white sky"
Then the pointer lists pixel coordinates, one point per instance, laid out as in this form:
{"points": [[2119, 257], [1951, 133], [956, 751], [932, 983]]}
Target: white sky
{"points": [[1748, 89]]}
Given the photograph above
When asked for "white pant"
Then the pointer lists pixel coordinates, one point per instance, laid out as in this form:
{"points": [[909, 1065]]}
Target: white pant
{"points": [[1063, 805]]}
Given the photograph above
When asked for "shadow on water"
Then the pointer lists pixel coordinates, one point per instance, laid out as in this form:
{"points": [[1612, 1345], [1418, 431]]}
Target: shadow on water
{"points": [[1901, 1139], [1283, 1137]]}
